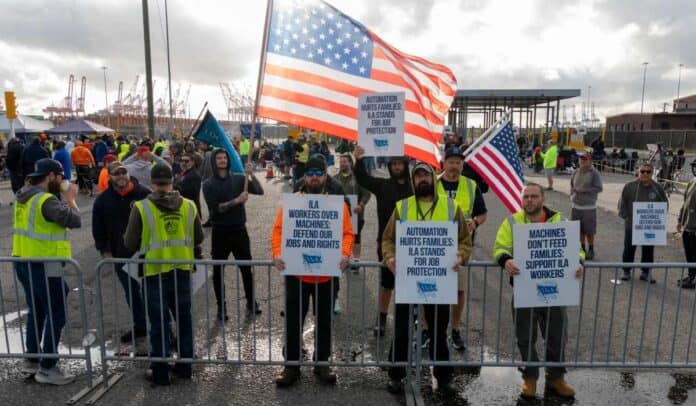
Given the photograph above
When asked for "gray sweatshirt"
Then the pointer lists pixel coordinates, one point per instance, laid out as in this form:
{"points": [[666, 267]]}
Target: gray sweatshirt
{"points": [[140, 169], [635, 191], [687, 214], [590, 184]]}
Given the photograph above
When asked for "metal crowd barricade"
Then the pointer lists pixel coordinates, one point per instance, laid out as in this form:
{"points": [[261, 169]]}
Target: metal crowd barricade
{"points": [[28, 278], [617, 324], [243, 339]]}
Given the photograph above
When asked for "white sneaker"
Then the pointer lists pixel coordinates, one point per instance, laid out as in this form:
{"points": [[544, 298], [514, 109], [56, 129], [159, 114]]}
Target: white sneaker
{"points": [[337, 307], [29, 366], [53, 376]]}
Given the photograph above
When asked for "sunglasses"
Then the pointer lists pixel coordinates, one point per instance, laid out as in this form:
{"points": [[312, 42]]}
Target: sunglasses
{"points": [[120, 172], [185, 161], [314, 173], [645, 171]]}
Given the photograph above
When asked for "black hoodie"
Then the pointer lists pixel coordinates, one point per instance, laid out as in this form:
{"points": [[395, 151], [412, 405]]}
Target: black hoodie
{"points": [[386, 191], [217, 190]]}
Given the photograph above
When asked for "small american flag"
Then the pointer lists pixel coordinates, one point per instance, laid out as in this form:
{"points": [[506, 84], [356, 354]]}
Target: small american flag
{"points": [[318, 60], [497, 160]]}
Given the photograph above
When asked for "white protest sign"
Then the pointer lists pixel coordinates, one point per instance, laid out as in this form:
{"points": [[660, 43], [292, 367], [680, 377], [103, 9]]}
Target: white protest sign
{"points": [[425, 255], [547, 257], [381, 123], [353, 199], [198, 278], [312, 234], [649, 223]]}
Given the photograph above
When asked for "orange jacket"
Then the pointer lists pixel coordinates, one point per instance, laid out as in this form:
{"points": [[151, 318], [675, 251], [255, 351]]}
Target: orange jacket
{"points": [[103, 180], [346, 248], [81, 156]]}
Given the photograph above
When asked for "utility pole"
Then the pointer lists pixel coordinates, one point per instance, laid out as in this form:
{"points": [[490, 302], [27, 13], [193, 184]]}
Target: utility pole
{"points": [[681, 65], [106, 99], [169, 71], [148, 73], [642, 97]]}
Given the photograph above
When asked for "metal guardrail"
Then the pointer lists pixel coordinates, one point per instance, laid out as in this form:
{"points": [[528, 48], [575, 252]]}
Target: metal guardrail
{"points": [[618, 324]]}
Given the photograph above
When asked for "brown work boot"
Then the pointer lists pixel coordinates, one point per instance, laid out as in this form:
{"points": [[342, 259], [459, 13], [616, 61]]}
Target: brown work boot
{"points": [[288, 376], [560, 387], [325, 375], [528, 389]]}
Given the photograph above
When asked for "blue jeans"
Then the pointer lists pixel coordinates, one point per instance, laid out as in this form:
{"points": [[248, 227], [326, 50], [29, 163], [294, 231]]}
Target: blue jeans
{"points": [[134, 298], [169, 292], [46, 298]]}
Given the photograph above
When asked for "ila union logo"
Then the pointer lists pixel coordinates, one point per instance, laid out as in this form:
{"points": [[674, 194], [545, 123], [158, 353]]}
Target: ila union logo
{"points": [[312, 261], [547, 291], [427, 288]]}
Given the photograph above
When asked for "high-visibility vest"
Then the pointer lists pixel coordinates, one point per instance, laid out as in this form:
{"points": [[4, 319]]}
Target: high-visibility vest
{"points": [[244, 147], [504, 238], [36, 237], [445, 209], [466, 194], [166, 235], [303, 156], [124, 148]]}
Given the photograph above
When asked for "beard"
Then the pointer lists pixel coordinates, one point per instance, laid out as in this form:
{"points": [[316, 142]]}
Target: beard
{"points": [[424, 189], [54, 187]]}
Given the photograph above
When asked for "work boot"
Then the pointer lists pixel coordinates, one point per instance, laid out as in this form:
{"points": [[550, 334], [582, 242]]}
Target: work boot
{"points": [[446, 388], [590, 254], [127, 337], [687, 283], [253, 309], [325, 375], [395, 386], [626, 276], [457, 341], [380, 326], [528, 389], [644, 276], [559, 387], [288, 376]]}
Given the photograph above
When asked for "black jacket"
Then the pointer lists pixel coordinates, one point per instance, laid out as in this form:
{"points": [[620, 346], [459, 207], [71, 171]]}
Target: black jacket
{"points": [[386, 191], [110, 218], [217, 190], [189, 185], [13, 160], [31, 154]]}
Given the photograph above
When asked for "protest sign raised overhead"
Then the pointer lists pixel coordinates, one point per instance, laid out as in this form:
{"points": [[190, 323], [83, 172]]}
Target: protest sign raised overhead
{"points": [[381, 123]]}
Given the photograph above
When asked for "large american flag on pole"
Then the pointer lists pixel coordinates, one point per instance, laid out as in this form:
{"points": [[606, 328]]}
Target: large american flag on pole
{"points": [[497, 160], [318, 60]]}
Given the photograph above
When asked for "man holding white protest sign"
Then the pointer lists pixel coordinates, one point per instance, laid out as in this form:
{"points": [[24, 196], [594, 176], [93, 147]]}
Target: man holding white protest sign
{"points": [[650, 222], [425, 272], [311, 242], [551, 249], [381, 123]]}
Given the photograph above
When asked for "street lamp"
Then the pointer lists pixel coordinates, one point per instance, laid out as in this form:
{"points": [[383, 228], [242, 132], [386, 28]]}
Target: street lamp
{"points": [[642, 97], [681, 65], [106, 98]]}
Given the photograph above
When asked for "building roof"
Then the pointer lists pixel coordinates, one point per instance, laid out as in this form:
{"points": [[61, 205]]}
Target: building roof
{"points": [[517, 98]]}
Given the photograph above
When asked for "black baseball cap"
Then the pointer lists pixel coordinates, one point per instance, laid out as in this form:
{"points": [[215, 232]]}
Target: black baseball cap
{"points": [[161, 174], [316, 162], [453, 151], [44, 166]]}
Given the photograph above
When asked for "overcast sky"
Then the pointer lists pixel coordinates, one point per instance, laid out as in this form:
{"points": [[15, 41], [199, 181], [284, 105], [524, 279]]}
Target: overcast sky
{"points": [[486, 43]]}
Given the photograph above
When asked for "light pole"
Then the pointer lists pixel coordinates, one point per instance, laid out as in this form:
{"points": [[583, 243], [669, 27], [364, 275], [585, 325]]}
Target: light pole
{"points": [[589, 92], [106, 98], [642, 97], [681, 65]]}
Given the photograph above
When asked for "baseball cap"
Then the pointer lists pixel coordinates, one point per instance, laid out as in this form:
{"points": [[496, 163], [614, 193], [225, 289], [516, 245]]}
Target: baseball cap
{"points": [[585, 157], [161, 174], [315, 163], [44, 166], [422, 166], [453, 151], [113, 166]]}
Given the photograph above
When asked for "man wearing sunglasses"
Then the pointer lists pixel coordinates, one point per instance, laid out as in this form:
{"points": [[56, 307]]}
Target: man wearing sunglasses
{"points": [[188, 183], [110, 215], [643, 189]]}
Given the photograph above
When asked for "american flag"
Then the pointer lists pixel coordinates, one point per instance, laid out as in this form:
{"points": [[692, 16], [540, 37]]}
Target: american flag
{"points": [[497, 160], [318, 60]]}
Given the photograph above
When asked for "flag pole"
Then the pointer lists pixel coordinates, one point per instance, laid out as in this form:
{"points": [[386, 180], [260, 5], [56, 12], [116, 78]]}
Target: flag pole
{"points": [[486, 133], [259, 81], [195, 123]]}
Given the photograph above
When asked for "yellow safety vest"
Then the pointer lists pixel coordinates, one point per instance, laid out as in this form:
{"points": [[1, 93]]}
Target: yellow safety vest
{"points": [[445, 209], [303, 156], [36, 237], [466, 194], [166, 235], [244, 147], [124, 148], [503, 240]]}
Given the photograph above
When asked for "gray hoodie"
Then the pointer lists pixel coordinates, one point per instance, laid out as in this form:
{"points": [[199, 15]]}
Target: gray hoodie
{"points": [[53, 209], [591, 185], [140, 169], [169, 201]]}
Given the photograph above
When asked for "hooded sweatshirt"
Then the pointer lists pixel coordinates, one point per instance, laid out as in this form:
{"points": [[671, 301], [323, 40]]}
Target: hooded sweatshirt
{"points": [[140, 169], [218, 190], [386, 191], [53, 209], [167, 202]]}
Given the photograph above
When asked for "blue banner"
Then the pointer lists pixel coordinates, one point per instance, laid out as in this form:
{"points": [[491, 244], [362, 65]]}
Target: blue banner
{"points": [[245, 129], [210, 132]]}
